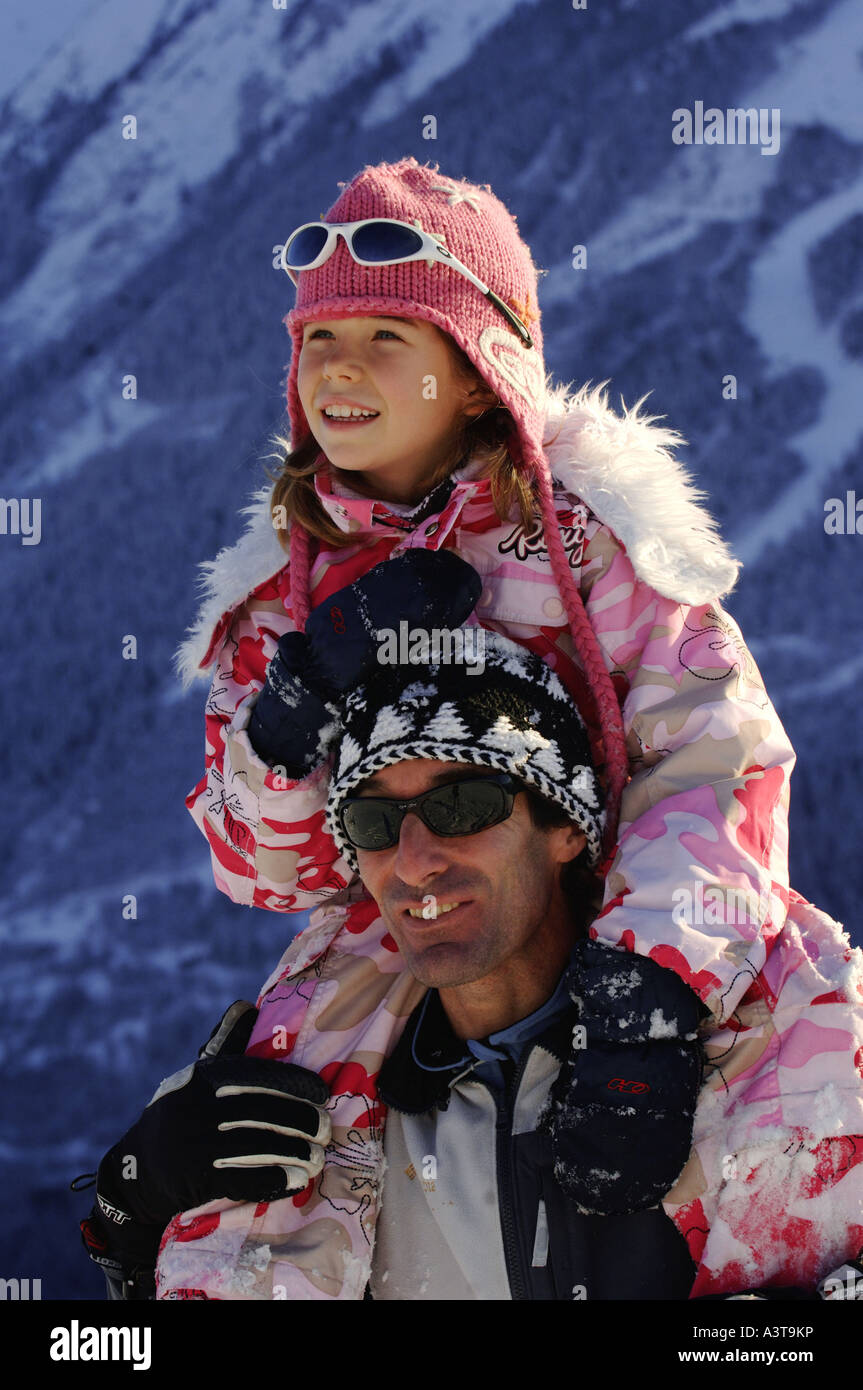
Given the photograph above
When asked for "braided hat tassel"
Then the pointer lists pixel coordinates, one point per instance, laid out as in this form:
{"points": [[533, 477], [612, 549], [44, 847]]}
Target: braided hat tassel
{"points": [[299, 560], [587, 646]]}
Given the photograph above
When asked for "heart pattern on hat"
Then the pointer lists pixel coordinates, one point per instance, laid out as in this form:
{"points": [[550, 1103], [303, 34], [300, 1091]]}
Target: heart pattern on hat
{"points": [[516, 364]]}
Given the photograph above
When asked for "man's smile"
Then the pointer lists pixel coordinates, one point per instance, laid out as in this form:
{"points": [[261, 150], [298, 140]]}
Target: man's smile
{"points": [[432, 910]]}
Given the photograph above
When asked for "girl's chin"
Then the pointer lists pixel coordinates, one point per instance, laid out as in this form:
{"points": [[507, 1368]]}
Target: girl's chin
{"points": [[349, 465], [395, 481], [386, 484]]}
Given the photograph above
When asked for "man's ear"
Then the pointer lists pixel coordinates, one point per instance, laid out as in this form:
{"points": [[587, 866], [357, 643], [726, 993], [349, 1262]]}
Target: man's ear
{"points": [[570, 841]]}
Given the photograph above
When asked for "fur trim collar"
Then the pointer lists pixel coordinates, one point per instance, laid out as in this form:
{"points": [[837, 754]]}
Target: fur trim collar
{"points": [[622, 467], [624, 470], [230, 578]]}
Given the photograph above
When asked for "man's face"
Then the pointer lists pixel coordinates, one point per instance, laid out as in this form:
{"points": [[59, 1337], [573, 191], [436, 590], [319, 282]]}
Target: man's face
{"points": [[492, 900]]}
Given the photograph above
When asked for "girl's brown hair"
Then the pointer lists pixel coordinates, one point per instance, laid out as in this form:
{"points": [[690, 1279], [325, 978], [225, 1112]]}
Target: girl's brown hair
{"points": [[294, 497]]}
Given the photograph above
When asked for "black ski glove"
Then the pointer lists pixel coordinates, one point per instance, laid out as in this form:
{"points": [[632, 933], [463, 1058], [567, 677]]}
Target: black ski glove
{"points": [[246, 1128], [296, 718], [621, 1110]]}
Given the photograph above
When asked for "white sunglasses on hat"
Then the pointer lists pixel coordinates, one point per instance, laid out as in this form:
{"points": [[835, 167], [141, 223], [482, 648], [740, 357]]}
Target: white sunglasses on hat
{"points": [[381, 241]]}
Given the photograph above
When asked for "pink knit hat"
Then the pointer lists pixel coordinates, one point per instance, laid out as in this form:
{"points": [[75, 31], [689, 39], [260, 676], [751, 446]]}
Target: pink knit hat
{"points": [[479, 230], [476, 227]]}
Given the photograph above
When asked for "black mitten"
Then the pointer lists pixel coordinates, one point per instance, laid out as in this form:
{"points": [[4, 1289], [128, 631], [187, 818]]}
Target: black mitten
{"points": [[292, 724], [296, 716], [621, 1110]]}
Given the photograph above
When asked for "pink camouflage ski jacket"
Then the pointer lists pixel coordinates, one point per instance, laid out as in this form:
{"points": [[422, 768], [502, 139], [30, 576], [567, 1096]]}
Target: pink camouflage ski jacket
{"points": [[773, 1191]]}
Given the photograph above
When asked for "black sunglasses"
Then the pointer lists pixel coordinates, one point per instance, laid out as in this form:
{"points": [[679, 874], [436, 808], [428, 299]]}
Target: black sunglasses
{"points": [[457, 808]]}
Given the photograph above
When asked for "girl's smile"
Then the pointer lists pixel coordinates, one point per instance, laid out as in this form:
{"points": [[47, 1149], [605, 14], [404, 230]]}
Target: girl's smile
{"points": [[384, 399]]}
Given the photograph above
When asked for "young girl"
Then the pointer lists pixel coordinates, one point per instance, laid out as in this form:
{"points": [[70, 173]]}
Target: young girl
{"points": [[421, 418]]}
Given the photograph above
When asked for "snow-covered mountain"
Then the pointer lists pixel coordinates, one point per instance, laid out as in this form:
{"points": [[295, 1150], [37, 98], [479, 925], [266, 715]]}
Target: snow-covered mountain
{"points": [[152, 257]]}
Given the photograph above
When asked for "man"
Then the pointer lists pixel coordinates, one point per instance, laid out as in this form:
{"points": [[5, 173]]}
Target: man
{"points": [[541, 1087], [472, 1207]]}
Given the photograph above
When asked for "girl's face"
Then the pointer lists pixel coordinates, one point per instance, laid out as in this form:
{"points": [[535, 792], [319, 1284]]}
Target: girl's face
{"points": [[403, 371]]}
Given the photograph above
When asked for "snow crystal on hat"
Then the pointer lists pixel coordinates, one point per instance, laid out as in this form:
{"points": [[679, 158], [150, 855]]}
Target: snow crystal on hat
{"points": [[419, 690]]}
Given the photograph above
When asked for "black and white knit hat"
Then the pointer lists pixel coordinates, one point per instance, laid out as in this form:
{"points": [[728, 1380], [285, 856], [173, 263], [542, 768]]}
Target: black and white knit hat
{"points": [[514, 716]]}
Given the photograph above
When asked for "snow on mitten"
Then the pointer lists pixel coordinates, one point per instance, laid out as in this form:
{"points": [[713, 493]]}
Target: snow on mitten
{"points": [[292, 725], [295, 719], [620, 1112]]}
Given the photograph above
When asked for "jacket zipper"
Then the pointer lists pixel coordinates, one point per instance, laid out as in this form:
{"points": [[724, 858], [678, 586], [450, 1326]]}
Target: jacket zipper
{"points": [[519, 1282]]}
